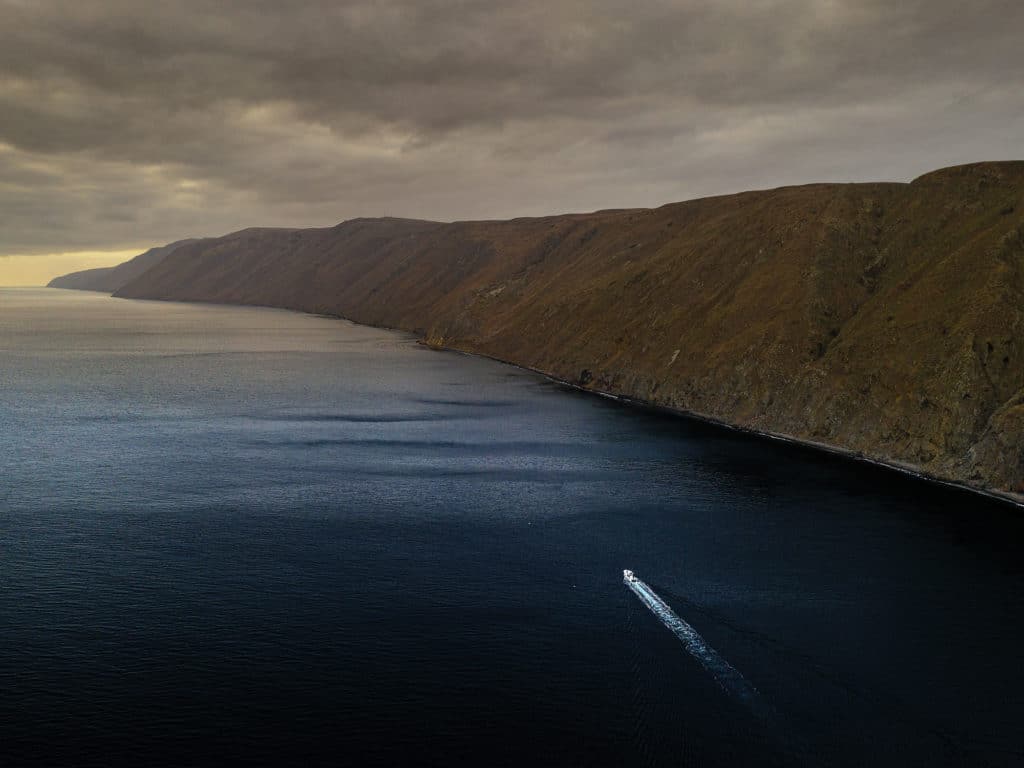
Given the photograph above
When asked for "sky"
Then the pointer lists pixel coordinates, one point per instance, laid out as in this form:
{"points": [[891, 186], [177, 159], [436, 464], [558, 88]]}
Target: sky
{"points": [[127, 124]]}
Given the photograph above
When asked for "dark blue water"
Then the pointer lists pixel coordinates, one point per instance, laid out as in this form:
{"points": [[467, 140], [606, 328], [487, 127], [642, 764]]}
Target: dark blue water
{"points": [[251, 536]]}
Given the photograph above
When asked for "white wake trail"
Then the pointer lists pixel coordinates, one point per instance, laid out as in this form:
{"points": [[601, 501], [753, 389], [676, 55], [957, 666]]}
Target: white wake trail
{"points": [[727, 675]]}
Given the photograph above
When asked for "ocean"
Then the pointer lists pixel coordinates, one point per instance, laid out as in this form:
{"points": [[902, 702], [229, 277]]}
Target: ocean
{"points": [[244, 535]]}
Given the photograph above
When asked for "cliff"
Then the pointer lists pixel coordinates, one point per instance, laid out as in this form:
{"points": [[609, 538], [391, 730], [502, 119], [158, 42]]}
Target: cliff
{"points": [[882, 319], [109, 279]]}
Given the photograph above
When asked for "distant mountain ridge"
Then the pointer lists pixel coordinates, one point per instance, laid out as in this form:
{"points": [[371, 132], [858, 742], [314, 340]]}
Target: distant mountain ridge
{"points": [[109, 279], [885, 320]]}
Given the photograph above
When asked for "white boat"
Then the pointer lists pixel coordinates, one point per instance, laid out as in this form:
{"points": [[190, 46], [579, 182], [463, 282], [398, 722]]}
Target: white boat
{"points": [[628, 576]]}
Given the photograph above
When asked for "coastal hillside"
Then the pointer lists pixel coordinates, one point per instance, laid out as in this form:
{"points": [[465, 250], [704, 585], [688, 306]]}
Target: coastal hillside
{"points": [[881, 319], [109, 279]]}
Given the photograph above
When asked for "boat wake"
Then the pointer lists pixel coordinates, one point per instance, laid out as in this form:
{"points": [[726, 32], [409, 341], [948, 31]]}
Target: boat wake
{"points": [[727, 675]]}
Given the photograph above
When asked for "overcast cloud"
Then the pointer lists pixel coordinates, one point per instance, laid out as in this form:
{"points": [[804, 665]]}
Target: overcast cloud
{"points": [[127, 123]]}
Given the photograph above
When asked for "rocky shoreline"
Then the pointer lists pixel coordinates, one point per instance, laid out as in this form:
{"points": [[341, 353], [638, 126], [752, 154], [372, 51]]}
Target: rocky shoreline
{"points": [[1015, 499], [881, 321]]}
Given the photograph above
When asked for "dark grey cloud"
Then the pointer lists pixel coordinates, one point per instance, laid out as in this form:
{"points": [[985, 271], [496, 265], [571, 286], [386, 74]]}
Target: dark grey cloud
{"points": [[125, 123]]}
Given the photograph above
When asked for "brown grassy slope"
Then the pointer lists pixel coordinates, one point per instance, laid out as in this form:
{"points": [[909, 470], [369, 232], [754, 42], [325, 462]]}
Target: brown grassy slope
{"points": [[880, 318], [109, 279]]}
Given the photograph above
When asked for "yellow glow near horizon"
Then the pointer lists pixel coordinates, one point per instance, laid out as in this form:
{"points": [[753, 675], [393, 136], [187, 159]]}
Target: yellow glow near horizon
{"points": [[39, 269]]}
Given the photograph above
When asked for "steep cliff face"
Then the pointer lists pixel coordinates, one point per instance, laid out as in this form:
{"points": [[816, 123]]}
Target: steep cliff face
{"points": [[885, 319], [109, 279]]}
